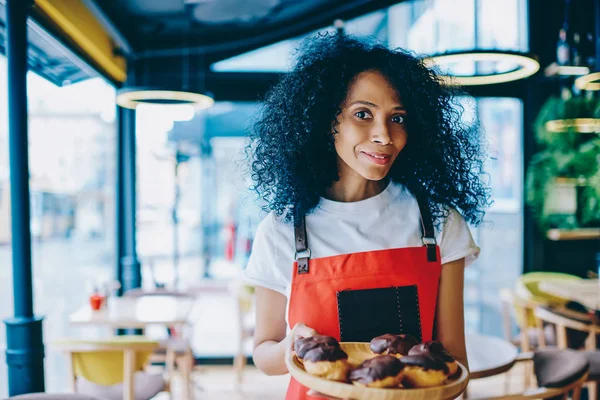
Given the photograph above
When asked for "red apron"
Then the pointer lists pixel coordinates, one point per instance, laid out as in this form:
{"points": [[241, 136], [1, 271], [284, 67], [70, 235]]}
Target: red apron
{"points": [[355, 297]]}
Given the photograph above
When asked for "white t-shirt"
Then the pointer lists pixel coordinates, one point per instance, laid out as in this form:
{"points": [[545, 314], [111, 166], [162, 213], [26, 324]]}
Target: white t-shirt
{"points": [[388, 220]]}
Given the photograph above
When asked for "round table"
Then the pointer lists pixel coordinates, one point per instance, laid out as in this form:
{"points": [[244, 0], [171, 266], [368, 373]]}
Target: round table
{"points": [[489, 355]]}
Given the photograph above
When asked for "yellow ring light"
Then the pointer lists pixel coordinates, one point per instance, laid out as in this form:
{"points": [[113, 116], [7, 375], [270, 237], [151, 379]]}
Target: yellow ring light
{"points": [[528, 66], [132, 97], [586, 82]]}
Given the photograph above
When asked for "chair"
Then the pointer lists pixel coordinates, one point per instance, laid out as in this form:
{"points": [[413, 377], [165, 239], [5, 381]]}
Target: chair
{"points": [[528, 290], [527, 338], [558, 373], [564, 319], [244, 300], [113, 368], [523, 300], [176, 350]]}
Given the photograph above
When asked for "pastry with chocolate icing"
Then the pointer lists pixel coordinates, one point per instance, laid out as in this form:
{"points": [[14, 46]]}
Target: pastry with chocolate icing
{"points": [[304, 345], [322, 356], [378, 372], [395, 345], [424, 370], [436, 349]]}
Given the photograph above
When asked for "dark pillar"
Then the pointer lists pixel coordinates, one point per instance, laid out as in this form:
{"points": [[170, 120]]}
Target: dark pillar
{"points": [[129, 267], [25, 346], [119, 201]]}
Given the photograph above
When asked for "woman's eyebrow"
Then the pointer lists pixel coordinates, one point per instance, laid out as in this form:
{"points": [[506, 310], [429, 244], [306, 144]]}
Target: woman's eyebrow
{"points": [[368, 103]]}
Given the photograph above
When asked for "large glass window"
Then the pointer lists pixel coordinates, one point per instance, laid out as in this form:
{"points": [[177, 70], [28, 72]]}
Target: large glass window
{"points": [[500, 236], [72, 138], [424, 26]]}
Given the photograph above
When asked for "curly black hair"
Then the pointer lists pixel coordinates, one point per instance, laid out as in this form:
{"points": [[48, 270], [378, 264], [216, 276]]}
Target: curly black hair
{"points": [[293, 158]]}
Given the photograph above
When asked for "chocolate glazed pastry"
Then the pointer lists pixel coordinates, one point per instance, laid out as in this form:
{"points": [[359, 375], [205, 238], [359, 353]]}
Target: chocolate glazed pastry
{"points": [[304, 345], [396, 345], [424, 370], [329, 362], [436, 349], [378, 372], [322, 356]]}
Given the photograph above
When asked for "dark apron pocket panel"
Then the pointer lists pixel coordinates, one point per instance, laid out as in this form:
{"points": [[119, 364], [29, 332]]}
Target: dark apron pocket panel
{"points": [[367, 313]]}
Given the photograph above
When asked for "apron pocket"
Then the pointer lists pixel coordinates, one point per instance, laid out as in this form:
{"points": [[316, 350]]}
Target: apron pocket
{"points": [[367, 313]]}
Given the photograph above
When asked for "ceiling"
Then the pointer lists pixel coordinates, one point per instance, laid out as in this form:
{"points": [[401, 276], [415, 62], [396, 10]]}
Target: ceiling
{"points": [[47, 56], [219, 29]]}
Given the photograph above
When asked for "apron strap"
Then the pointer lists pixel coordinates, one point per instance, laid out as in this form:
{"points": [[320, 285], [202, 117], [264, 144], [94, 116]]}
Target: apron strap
{"points": [[428, 237], [302, 251]]}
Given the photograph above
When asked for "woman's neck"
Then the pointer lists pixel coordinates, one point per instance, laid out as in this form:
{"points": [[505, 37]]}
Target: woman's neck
{"points": [[357, 189]]}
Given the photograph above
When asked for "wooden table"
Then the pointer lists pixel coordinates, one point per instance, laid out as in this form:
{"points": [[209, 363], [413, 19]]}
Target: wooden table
{"points": [[585, 291], [136, 312], [489, 355]]}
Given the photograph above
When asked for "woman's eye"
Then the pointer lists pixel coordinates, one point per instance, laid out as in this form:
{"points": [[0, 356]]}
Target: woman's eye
{"points": [[362, 114], [399, 119]]}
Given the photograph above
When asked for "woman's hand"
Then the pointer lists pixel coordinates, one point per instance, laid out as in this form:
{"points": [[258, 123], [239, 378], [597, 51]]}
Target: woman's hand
{"points": [[298, 331]]}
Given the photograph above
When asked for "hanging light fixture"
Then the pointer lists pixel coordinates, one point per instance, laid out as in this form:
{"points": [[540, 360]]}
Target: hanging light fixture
{"points": [[589, 82], [161, 94], [131, 97], [526, 65], [578, 116]]}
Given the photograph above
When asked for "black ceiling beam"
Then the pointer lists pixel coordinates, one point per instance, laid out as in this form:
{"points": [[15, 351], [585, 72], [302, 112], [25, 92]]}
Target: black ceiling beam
{"points": [[240, 86], [320, 18]]}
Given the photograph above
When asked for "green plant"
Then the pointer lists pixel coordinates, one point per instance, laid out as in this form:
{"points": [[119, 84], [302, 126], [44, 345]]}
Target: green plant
{"points": [[568, 154]]}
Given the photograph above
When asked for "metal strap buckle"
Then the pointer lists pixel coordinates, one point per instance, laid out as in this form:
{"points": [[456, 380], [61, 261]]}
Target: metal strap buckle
{"points": [[428, 241], [302, 254]]}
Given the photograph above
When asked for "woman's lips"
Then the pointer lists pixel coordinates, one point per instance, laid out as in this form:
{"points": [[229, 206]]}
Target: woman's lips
{"points": [[377, 158]]}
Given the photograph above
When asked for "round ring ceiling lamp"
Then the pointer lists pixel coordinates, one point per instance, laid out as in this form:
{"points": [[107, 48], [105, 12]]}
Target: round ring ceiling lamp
{"points": [[588, 82], [581, 125], [131, 97], [526, 66]]}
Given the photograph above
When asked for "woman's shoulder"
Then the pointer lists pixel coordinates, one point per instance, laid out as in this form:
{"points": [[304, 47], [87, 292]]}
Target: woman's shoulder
{"points": [[273, 229]]}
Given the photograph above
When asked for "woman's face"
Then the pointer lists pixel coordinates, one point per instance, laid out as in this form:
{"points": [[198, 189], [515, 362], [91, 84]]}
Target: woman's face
{"points": [[371, 129]]}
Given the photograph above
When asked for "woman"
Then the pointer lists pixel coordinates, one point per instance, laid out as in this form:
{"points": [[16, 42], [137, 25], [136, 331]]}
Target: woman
{"points": [[370, 178]]}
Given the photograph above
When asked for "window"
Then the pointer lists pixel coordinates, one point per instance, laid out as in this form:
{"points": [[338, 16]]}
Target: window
{"points": [[500, 236], [424, 26], [72, 138]]}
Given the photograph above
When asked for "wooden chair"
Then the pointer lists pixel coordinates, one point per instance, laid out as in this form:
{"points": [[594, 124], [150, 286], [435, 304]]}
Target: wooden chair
{"points": [[107, 367], [528, 334], [558, 373], [529, 331], [244, 300], [564, 319], [176, 351]]}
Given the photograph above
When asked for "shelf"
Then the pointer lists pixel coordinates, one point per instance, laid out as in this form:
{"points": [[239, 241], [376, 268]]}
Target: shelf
{"points": [[573, 234], [559, 180]]}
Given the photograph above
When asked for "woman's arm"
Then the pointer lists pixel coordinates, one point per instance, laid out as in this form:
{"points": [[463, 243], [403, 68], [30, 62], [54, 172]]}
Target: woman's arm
{"points": [[270, 340], [450, 313]]}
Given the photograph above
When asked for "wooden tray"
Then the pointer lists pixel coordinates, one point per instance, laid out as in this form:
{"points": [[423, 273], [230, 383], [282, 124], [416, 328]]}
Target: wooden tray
{"points": [[357, 353]]}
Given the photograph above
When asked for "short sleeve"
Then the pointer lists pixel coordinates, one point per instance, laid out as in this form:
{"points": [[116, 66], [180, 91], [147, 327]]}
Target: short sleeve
{"points": [[262, 269], [455, 240]]}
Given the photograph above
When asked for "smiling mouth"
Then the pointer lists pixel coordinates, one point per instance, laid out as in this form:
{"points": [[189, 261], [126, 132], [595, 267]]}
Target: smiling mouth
{"points": [[377, 158]]}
